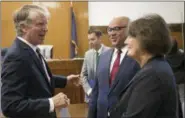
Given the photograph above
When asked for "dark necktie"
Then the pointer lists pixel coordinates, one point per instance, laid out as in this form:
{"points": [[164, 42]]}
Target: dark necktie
{"points": [[42, 62], [97, 58], [115, 67], [40, 56]]}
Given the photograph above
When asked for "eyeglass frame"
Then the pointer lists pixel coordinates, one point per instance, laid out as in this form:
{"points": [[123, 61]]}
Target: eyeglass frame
{"points": [[117, 28]]}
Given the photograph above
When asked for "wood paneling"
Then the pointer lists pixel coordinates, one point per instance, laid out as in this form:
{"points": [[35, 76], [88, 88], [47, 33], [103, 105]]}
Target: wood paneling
{"points": [[67, 67], [178, 37], [58, 30], [8, 31], [59, 26], [105, 37], [81, 11]]}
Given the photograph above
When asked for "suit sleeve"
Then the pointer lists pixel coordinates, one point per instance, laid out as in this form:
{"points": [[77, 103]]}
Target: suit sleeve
{"points": [[84, 76], [145, 99], [60, 81], [14, 100], [93, 101]]}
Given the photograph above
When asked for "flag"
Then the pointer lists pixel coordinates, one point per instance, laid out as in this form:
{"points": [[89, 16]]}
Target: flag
{"points": [[73, 42]]}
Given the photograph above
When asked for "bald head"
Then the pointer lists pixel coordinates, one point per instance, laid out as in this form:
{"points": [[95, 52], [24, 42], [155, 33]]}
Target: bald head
{"points": [[123, 20], [117, 31]]}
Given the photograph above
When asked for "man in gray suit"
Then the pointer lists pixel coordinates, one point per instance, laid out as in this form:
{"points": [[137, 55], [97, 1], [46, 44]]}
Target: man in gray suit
{"points": [[88, 71]]}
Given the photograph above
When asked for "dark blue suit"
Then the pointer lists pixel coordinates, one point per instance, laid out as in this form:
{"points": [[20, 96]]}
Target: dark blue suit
{"points": [[103, 96], [3, 53], [25, 87]]}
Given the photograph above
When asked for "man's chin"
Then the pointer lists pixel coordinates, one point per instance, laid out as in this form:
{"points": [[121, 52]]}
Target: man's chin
{"points": [[114, 44], [42, 41]]}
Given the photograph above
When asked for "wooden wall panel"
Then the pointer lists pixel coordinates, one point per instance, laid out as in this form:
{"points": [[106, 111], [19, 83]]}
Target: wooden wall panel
{"points": [[105, 40], [81, 12], [58, 30], [67, 67], [178, 37], [8, 31], [59, 26]]}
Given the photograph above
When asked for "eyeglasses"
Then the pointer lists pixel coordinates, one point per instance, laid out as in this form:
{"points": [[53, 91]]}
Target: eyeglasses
{"points": [[109, 29]]}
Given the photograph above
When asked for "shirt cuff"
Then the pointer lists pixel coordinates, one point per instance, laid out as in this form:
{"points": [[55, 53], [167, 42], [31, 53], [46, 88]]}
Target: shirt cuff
{"points": [[89, 91], [51, 108]]}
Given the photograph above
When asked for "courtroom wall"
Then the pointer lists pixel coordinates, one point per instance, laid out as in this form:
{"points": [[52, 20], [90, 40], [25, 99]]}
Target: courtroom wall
{"points": [[59, 26], [93, 14], [172, 12]]}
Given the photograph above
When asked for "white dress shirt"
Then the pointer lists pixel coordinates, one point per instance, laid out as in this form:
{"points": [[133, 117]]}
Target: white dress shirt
{"points": [[114, 56], [99, 50], [34, 49]]}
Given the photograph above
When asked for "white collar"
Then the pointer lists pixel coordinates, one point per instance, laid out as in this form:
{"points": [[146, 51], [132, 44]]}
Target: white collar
{"points": [[100, 49], [123, 50], [28, 43]]}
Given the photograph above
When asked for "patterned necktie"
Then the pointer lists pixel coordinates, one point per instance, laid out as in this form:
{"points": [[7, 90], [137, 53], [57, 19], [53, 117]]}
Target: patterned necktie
{"points": [[115, 67]]}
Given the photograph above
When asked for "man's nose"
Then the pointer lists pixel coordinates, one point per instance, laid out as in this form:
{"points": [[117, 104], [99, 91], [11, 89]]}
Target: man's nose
{"points": [[90, 42]]}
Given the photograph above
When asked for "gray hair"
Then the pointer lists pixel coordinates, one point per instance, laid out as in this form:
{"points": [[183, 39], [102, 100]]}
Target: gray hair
{"points": [[25, 15]]}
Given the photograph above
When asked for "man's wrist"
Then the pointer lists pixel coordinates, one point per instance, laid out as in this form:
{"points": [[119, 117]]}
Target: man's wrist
{"points": [[51, 104]]}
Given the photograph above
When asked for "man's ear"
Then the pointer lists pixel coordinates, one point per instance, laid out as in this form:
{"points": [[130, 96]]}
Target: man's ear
{"points": [[24, 28]]}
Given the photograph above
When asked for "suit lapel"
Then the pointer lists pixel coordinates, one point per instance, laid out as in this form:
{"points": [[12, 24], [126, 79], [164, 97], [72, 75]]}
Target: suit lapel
{"points": [[49, 73], [106, 63], [134, 79], [122, 68], [35, 59], [40, 66], [93, 59], [103, 70], [103, 49]]}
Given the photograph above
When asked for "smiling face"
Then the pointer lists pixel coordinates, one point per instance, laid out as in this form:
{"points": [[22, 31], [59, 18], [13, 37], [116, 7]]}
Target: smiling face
{"points": [[134, 49], [117, 31], [35, 31]]}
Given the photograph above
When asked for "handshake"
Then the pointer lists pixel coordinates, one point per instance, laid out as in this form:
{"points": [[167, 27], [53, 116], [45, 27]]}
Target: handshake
{"points": [[60, 100]]}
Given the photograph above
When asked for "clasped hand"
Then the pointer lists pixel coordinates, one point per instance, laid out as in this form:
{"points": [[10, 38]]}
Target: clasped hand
{"points": [[61, 100]]}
